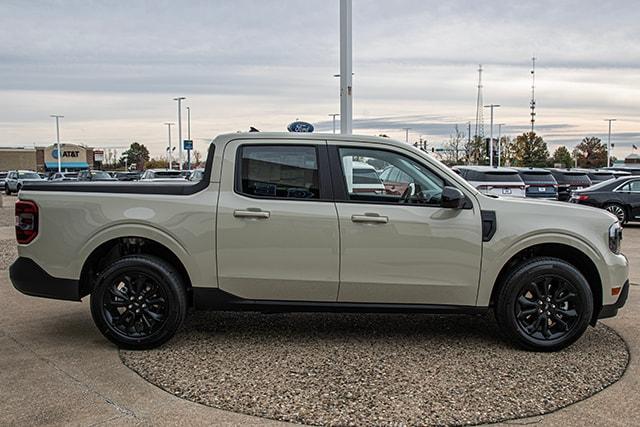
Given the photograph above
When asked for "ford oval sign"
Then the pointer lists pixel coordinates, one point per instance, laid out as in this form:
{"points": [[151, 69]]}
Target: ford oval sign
{"points": [[300, 127]]}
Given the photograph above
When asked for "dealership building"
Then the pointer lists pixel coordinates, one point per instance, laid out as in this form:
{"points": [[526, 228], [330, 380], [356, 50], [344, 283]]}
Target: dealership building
{"points": [[73, 157]]}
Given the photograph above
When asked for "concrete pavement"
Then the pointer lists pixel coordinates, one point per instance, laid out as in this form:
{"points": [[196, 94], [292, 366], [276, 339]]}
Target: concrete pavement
{"points": [[55, 368]]}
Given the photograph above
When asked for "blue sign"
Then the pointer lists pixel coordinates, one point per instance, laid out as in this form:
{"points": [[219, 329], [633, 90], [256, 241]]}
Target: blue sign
{"points": [[188, 144], [300, 127]]}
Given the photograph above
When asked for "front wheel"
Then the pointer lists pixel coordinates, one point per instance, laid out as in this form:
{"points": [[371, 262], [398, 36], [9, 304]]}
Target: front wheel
{"points": [[6, 190], [545, 304], [139, 302]]}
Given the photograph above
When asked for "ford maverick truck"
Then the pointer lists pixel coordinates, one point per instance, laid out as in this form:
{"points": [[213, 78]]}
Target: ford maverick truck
{"points": [[290, 222]]}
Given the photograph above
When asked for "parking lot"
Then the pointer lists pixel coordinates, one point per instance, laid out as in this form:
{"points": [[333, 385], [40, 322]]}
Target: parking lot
{"points": [[51, 352]]}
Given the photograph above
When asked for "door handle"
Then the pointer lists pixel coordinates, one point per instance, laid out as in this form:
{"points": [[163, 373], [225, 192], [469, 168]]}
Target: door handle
{"points": [[251, 214], [371, 218]]}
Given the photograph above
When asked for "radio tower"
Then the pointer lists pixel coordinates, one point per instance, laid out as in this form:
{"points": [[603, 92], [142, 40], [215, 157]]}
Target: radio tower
{"points": [[479, 107], [533, 93]]}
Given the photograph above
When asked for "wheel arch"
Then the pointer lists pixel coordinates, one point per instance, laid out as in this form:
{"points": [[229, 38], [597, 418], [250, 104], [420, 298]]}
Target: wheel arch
{"points": [[565, 252], [112, 249]]}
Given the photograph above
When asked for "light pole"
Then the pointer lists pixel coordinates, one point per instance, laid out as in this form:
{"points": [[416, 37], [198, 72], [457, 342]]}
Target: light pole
{"points": [[334, 120], [189, 137], [179, 99], [609, 142], [492, 106], [346, 77], [169, 149], [58, 117], [406, 134], [499, 143]]}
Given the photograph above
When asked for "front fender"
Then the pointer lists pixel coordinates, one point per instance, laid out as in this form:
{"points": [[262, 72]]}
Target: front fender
{"points": [[497, 254]]}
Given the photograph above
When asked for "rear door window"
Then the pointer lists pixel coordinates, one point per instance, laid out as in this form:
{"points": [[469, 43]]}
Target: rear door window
{"points": [[279, 171]]}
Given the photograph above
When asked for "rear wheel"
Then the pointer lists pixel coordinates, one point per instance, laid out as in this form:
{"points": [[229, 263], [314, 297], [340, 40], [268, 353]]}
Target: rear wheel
{"points": [[617, 210], [6, 190], [545, 304], [139, 302]]}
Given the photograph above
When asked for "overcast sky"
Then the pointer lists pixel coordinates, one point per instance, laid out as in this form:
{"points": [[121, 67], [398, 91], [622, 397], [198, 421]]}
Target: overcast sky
{"points": [[112, 68]]}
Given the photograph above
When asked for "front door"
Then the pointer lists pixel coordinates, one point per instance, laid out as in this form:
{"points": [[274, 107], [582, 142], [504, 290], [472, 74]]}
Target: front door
{"points": [[404, 248], [277, 227]]}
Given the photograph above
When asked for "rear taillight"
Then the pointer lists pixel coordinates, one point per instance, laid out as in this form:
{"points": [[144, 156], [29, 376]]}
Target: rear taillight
{"points": [[581, 197], [26, 221]]}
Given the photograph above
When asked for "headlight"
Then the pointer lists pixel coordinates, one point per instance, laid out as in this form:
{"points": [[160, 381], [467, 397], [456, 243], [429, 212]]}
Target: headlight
{"points": [[615, 237]]}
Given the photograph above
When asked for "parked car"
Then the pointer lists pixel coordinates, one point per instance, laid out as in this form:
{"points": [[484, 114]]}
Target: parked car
{"points": [[569, 180], [15, 180], [196, 175], [493, 180], [88, 175], [395, 180], [599, 175], [274, 226], [127, 176], [64, 176], [621, 197], [632, 169], [3, 177], [365, 179], [159, 175], [540, 183], [619, 174]]}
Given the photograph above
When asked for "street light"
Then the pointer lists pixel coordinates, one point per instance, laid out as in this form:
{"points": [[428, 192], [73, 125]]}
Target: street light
{"points": [[334, 120], [609, 142], [58, 117], [499, 143], [179, 99], [189, 137], [492, 106], [169, 148], [406, 134]]}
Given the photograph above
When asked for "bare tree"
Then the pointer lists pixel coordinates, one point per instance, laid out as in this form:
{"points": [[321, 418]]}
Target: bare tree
{"points": [[455, 149]]}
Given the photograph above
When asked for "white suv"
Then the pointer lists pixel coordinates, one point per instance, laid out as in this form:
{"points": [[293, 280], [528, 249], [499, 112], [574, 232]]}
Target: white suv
{"points": [[493, 180]]}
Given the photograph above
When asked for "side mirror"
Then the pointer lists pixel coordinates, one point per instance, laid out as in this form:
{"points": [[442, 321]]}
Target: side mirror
{"points": [[452, 198]]}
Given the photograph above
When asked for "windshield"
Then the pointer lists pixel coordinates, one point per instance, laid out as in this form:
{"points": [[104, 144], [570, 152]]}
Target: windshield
{"points": [[167, 174], [537, 177], [28, 175]]}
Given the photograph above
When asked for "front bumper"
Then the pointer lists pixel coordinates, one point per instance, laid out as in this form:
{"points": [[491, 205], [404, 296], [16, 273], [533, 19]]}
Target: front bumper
{"points": [[611, 310], [30, 279]]}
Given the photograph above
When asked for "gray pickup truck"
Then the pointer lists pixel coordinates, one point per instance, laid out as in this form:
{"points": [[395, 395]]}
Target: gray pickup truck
{"points": [[285, 222]]}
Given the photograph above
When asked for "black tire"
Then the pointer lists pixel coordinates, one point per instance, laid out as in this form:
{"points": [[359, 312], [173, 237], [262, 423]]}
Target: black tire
{"points": [[18, 188], [618, 210], [563, 305], [139, 302], [6, 190]]}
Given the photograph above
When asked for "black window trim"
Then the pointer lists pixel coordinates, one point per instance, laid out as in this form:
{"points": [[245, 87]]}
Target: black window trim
{"points": [[340, 186], [324, 177]]}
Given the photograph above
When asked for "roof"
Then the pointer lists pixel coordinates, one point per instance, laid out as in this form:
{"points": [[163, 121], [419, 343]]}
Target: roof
{"points": [[487, 168], [539, 170], [633, 156]]}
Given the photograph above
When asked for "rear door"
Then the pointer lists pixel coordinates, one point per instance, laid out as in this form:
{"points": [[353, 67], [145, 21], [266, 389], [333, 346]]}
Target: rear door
{"points": [[404, 250], [633, 199], [277, 225]]}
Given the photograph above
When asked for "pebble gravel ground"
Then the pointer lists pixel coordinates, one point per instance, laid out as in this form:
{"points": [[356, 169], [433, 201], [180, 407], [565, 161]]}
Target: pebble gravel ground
{"points": [[355, 369], [8, 252]]}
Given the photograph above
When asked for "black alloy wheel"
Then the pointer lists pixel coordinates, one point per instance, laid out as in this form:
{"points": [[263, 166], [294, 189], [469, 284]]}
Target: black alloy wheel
{"points": [[544, 304], [547, 308], [139, 302]]}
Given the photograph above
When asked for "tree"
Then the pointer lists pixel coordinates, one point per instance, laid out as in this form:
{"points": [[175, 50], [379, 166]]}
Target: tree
{"points": [[530, 150], [156, 164], [592, 153], [454, 149], [138, 154], [507, 155], [563, 157]]}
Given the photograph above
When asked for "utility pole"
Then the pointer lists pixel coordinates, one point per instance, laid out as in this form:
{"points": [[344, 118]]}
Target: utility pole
{"points": [[406, 134], [492, 106], [468, 142], [169, 149], [189, 137], [334, 120], [179, 99], [346, 69], [499, 143], [609, 142], [58, 117], [533, 93], [479, 110]]}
